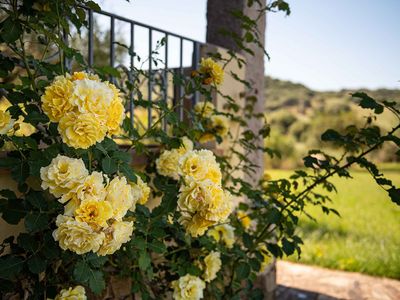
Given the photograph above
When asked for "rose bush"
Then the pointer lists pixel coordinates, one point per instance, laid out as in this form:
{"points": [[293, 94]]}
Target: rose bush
{"points": [[169, 228]]}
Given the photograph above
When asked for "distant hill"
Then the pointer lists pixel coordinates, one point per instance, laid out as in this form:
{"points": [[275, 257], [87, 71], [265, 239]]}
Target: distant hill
{"points": [[299, 115]]}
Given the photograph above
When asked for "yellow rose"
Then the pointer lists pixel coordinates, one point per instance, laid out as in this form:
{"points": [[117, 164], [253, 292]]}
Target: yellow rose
{"points": [[206, 137], [214, 173], [91, 188], [204, 109], [6, 122], [115, 117], [267, 176], [187, 145], [56, 99], [81, 130], [188, 287], [76, 293], [224, 233], [76, 236], [119, 194], [194, 164], [220, 125], [212, 264], [23, 129], [266, 258], [195, 225], [71, 206], [78, 76], [63, 175], [117, 234], [141, 192], [206, 198], [202, 204], [244, 219], [167, 163], [95, 213], [212, 71], [91, 96], [83, 75]]}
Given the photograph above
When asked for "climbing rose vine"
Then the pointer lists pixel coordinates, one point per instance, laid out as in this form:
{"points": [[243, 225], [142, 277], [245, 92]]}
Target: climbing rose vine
{"points": [[116, 196]]}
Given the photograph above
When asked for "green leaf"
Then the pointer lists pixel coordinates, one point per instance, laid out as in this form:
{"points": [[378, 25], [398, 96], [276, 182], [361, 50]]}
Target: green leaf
{"points": [[249, 37], [331, 136], [81, 272], [242, 270], [273, 216], [8, 162], [11, 30], [96, 261], [128, 172], [8, 194], [37, 200], [394, 194], [10, 266], [288, 247], [122, 156], [14, 211], [108, 165], [368, 102], [255, 264], [247, 240], [139, 243], [157, 246], [96, 282], [93, 5], [27, 242], [144, 260], [36, 221], [20, 172], [274, 249], [34, 117], [37, 264], [108, 70], [51, 250]]}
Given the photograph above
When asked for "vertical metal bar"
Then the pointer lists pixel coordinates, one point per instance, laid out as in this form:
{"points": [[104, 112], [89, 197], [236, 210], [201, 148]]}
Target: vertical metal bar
{"points": [[181, 100], [112, 46], [132, 49], [166, 78], [195, 61], [131, 72], [66, 61], [149, 83], [90, 39]]}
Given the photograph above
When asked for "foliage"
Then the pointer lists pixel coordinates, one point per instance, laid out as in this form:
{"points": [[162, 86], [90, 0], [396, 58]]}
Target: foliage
{"points": [[160, 251], [298, 114], [361, 239]]}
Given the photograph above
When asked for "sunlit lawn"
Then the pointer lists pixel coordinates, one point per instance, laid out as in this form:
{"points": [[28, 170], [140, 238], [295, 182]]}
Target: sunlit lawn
{"points": [[367, 236]]}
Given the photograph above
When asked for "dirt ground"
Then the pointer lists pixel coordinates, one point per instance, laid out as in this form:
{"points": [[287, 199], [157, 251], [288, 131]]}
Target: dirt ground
{"points": [[297, 281]]}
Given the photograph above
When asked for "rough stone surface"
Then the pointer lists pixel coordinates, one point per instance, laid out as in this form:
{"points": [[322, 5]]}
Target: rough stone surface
{"points": [[296, 281], [219, 16]]}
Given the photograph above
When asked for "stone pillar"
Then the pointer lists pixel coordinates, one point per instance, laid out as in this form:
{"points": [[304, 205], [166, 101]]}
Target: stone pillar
{"points": [[219, 17]]}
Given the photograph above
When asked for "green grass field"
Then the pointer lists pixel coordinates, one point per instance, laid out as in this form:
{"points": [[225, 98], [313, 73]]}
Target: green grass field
{"points": [[366, 238]]}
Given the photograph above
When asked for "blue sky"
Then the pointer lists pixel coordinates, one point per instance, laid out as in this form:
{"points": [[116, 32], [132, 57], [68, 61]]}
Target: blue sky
{"points": [[326, 45]]}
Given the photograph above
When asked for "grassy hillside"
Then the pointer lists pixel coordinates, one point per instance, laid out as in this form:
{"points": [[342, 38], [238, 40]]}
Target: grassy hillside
{"points": [[299, 115]]}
